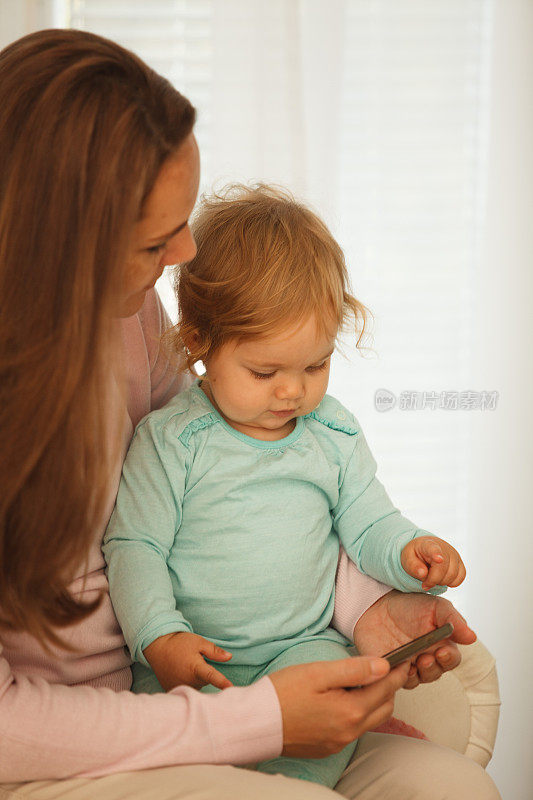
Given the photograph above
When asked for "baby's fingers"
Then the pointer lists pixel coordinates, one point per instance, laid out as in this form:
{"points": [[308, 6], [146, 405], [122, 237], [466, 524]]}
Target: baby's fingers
{"points": [[213, 651], [429, 551], [455, 575], [436, 575], [206, 673], [412, 563]]}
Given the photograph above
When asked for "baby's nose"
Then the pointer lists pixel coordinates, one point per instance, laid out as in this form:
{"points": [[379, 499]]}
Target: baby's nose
{"points": [[290, 390]]}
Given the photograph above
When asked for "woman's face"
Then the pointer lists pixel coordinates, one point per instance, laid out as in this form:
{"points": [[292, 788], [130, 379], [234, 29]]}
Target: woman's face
{"points": [[162, 236]]}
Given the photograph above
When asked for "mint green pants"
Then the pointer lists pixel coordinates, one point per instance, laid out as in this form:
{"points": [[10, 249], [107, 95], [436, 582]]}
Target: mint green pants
{"points": [[325, 771]]}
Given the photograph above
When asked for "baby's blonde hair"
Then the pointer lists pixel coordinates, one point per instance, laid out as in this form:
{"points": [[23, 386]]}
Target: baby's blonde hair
{"points": [[265, 262]]}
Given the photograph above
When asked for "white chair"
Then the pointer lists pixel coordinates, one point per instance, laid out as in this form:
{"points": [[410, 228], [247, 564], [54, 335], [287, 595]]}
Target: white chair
{"points": [[461, 709]]}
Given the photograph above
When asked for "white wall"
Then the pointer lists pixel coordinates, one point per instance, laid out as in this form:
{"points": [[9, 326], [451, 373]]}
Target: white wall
{"points": [[500, 596], [19, 17]]}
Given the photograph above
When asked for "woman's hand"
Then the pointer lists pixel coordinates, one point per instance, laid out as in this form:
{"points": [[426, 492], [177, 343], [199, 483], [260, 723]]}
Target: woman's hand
{"points": [[396, 618], [322, 709], [178, 658]]}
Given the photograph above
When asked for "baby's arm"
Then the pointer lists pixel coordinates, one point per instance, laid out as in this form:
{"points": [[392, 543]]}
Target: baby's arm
{"points": [[376, 535], [137, 543]]}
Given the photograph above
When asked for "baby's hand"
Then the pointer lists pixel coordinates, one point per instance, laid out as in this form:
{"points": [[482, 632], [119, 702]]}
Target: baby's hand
{"points": [[433, 561], [178, 658]]}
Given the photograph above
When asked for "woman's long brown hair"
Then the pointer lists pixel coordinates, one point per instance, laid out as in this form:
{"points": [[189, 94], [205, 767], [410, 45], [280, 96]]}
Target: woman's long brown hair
{"points": [[85, 127]]}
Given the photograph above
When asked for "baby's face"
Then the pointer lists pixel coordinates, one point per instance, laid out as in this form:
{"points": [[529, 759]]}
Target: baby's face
{"points": [[260, 386]]}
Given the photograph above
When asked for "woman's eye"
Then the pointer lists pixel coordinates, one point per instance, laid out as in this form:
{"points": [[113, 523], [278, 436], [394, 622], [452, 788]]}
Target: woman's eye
{"points": [[262, 375], [317, 367], [157, 248]]}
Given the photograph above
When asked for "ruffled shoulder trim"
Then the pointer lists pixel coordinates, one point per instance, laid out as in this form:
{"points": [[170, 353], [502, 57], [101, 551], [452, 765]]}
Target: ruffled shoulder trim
{"points": [[334, 415], [195, 425], [182, 416]]}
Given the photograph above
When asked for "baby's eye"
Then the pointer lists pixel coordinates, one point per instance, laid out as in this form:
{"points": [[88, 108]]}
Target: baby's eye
{"points": [[317, 367], [262, 375]]}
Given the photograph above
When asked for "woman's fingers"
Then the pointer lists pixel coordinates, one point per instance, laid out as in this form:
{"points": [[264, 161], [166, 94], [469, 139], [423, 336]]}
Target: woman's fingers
{"points": [[320, 715], [379, 715], [373, 704], [428, 668], [413, 679], [445, 612], [367, 706], [349, 672], [379, 692], [448, 657], [363, 702]]}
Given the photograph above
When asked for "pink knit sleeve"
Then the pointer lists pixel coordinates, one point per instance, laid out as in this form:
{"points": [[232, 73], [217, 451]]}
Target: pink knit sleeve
{"points": [[52, 731], [354, 593]]}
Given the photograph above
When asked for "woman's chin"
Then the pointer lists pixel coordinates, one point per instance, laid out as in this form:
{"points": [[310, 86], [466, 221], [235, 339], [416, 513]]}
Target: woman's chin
{"points": [[132, 304]]}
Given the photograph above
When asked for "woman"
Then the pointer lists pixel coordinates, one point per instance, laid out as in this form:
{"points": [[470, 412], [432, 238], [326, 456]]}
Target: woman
{"points": [[99, 174]]}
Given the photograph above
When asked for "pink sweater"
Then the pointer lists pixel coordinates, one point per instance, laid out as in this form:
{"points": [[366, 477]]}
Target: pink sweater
{"points": [[66, 714]]}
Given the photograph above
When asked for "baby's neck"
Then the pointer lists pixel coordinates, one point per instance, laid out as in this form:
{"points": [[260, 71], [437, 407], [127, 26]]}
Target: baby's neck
{"points": [[263, 434]]}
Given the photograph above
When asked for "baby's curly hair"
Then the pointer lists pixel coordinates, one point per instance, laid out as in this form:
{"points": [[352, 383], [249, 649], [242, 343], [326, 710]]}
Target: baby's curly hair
{"points": [[265, 262]]}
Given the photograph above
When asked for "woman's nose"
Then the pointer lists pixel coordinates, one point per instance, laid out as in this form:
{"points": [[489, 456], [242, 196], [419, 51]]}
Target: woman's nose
{"points": [[180, 249]]}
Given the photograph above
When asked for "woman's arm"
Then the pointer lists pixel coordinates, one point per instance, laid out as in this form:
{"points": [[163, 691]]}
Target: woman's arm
{"points": [[354, 594], [51, 731]]}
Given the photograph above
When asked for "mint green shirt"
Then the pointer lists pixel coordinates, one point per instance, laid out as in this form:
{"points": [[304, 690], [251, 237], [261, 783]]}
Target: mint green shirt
{"points": [[237, 539]]}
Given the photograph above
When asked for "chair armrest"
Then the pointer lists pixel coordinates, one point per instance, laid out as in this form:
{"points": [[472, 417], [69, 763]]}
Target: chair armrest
{"points": [[461, 709]]}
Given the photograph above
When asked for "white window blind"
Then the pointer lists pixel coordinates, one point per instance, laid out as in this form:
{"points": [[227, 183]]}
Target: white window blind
{"points": [[377, 112], [173, 36], [413, 141]]}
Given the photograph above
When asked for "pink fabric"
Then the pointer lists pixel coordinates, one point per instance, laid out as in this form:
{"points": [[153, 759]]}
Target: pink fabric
{"points": [[354, 594], [400, 728], [65, 714]]}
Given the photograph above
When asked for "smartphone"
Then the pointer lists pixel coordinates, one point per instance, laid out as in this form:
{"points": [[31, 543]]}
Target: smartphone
{"points": [[406, 651]]}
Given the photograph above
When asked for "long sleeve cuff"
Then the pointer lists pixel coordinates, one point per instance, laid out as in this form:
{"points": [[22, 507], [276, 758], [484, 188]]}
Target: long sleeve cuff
{"points": [[387, 563], [354, 594], [244, 731]]}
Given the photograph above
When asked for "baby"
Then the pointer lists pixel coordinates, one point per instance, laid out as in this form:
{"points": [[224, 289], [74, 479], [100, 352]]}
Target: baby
{"points": [[235, 496]]}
